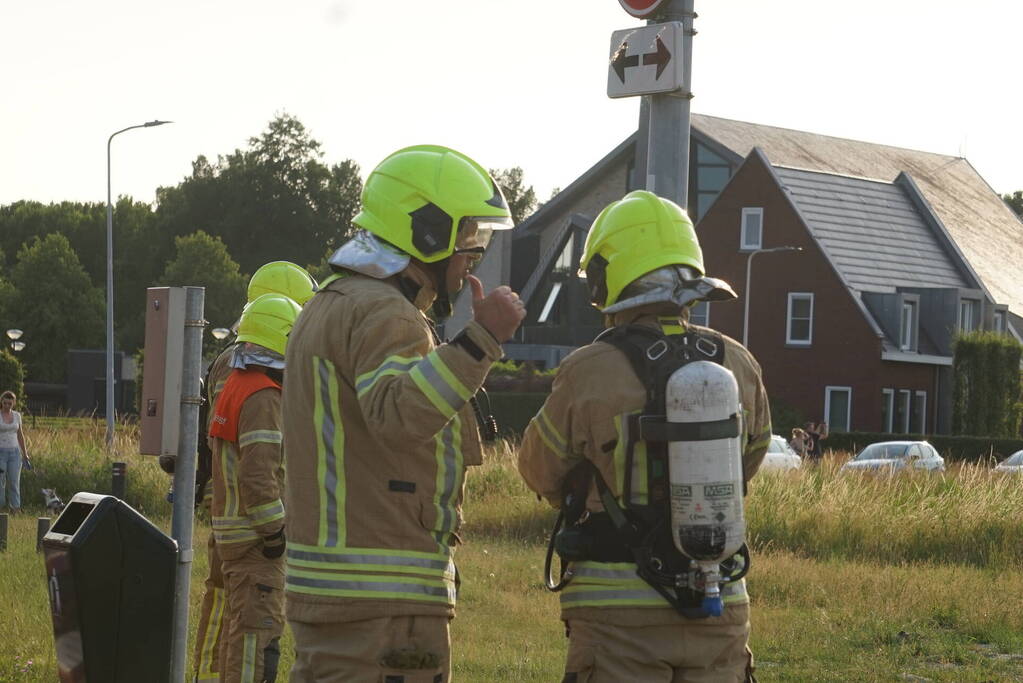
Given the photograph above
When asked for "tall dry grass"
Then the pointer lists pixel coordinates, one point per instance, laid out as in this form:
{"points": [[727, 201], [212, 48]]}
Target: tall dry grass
{"points": [[968, 515], [854, 577]]}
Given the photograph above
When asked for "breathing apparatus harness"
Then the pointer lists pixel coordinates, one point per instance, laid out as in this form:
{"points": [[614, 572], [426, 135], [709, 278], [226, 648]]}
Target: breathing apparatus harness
{"points": [[642, 533]]}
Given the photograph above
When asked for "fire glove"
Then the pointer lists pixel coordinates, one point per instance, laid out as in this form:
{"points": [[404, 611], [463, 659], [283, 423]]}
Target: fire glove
{"points": [[273, 545]]}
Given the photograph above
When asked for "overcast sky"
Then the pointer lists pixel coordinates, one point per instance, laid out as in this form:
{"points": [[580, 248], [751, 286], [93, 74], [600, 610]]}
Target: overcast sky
{"points": [[511, 83]]}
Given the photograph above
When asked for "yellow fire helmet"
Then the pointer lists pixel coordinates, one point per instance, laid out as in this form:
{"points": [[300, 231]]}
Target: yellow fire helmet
{"points": [[268, 320], [431, 202], [282, 277], [633, 237]]}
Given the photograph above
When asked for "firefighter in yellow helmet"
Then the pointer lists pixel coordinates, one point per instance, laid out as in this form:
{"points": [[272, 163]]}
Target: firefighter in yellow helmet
{"points": [[590, 453], [276, 277], [248, 478], [379, 423]]}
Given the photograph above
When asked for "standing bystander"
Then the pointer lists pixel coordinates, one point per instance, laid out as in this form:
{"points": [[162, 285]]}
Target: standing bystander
{"points": [[12, 452]]}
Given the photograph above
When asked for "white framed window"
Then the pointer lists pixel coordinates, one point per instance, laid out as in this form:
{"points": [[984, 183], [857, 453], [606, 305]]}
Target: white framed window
{"points": [[907, 326], [752, 231], [998, 322], [799, 319], [838, 408], [902, 408], [887, 409], [549, 304], [967, 307], [700, 314], [919, 418]]}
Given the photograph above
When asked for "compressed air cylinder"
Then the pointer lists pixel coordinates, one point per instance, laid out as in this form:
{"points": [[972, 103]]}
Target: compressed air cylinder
{"points": [[705, 470]]}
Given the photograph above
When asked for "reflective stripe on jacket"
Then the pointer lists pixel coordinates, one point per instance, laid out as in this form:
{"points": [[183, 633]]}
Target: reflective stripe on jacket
{"points": [[586, 416], [379, 433]]}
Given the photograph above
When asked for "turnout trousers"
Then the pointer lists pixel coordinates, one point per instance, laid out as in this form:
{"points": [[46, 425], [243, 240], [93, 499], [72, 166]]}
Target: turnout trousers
{"points": [[211, 619], [253, 618], [704, 651], [384, 650]]}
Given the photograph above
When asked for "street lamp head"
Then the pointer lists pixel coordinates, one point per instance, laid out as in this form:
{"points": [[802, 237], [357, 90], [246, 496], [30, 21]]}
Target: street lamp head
{"points": [[220, 333], [14, 333], [150, 124], [17, 345]]}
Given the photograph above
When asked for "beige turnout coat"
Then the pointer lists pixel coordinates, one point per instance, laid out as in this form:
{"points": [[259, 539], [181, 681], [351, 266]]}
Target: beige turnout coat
{"points": [[593, 394], [378, 434]]}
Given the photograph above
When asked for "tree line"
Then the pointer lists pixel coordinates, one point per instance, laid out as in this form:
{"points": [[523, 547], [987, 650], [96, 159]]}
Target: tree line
{"points": [[276, 199]]}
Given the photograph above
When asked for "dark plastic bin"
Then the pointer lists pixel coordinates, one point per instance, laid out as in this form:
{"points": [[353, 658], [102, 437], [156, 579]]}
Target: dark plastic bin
{"points": [[110, 573]]}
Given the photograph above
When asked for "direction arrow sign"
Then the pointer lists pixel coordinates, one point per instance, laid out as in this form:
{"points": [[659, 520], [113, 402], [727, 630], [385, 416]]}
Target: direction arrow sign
{"points": [[646, 60]]}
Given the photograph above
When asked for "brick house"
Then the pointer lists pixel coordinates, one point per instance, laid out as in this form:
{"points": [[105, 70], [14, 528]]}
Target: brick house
{"points": [[899, 250]]}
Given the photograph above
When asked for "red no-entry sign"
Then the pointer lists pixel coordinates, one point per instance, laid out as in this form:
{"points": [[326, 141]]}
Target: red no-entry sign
{"points": [[641, 8]]}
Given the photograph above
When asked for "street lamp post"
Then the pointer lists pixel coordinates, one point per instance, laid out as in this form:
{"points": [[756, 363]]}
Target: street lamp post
{"points": [[110, 287], [14, 334], [746, 292]]}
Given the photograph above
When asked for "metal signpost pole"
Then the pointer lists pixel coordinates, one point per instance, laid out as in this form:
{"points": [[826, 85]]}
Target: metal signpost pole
{"points": [[668, 141], [184, 475]]}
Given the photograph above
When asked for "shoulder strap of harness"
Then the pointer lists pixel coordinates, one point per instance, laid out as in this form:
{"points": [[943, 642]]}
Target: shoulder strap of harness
{"points": [[654, 356]]}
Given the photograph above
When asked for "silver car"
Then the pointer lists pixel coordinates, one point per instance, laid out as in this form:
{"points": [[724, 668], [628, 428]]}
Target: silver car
{"points": [[1014, 463], [780, 455], [897, 455]]}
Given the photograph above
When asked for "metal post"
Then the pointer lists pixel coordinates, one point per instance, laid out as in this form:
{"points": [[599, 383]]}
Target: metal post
{"points": [[184, 475], [745, 300], [746, 292], [110, 306], [118, 479], [668, 143], [3, 532], [42, 527], [110, 288]]}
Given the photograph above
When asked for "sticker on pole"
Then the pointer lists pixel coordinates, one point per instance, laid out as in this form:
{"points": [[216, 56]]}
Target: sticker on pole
{"points": [[641, 9], [646, 60]]}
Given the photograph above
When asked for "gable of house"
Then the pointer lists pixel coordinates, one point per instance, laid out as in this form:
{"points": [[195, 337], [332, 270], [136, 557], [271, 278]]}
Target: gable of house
{"points": [[978, 222]]}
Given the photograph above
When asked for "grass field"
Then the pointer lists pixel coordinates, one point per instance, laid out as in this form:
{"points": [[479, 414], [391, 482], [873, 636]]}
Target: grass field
{"points": [[855, 578]]}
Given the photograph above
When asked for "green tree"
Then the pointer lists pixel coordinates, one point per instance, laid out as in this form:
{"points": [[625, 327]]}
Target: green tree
{"points": [[521, 199], [12, 375], [203, 261], [139, 250], [1015, 202], [56, 305], [274, 200]]}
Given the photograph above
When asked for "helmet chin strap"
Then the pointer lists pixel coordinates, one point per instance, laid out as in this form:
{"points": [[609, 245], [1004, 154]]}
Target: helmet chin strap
{"points": [[442, 304]]}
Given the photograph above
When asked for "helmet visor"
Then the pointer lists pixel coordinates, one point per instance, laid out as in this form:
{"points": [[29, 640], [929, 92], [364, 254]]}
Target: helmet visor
{"points": [[474, 233]]}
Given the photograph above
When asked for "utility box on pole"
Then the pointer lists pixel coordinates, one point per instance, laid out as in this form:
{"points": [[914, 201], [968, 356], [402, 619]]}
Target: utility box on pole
{"points": [[160, 409]]}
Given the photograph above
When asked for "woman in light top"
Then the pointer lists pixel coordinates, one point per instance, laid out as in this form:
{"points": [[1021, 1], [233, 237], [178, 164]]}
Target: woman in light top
{"points": [[12, 452]]}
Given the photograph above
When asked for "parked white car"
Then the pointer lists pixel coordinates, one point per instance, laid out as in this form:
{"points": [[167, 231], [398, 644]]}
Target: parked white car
{"points": [[1014, 463], [780, 455], [897, 455]]}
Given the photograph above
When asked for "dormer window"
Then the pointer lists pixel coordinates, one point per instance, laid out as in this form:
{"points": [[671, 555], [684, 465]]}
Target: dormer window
{"points": [[967, 315], [752, 229], [907, 326], [998, 321]]}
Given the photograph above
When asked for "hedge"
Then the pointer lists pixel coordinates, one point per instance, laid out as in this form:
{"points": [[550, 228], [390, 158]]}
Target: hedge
{"points": [[514, 410], [986, 397], [952, 448]]}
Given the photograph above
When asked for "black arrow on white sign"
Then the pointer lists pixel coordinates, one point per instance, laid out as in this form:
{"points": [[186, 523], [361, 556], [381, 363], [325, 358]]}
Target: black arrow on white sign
{"points": [[620, 62]]}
